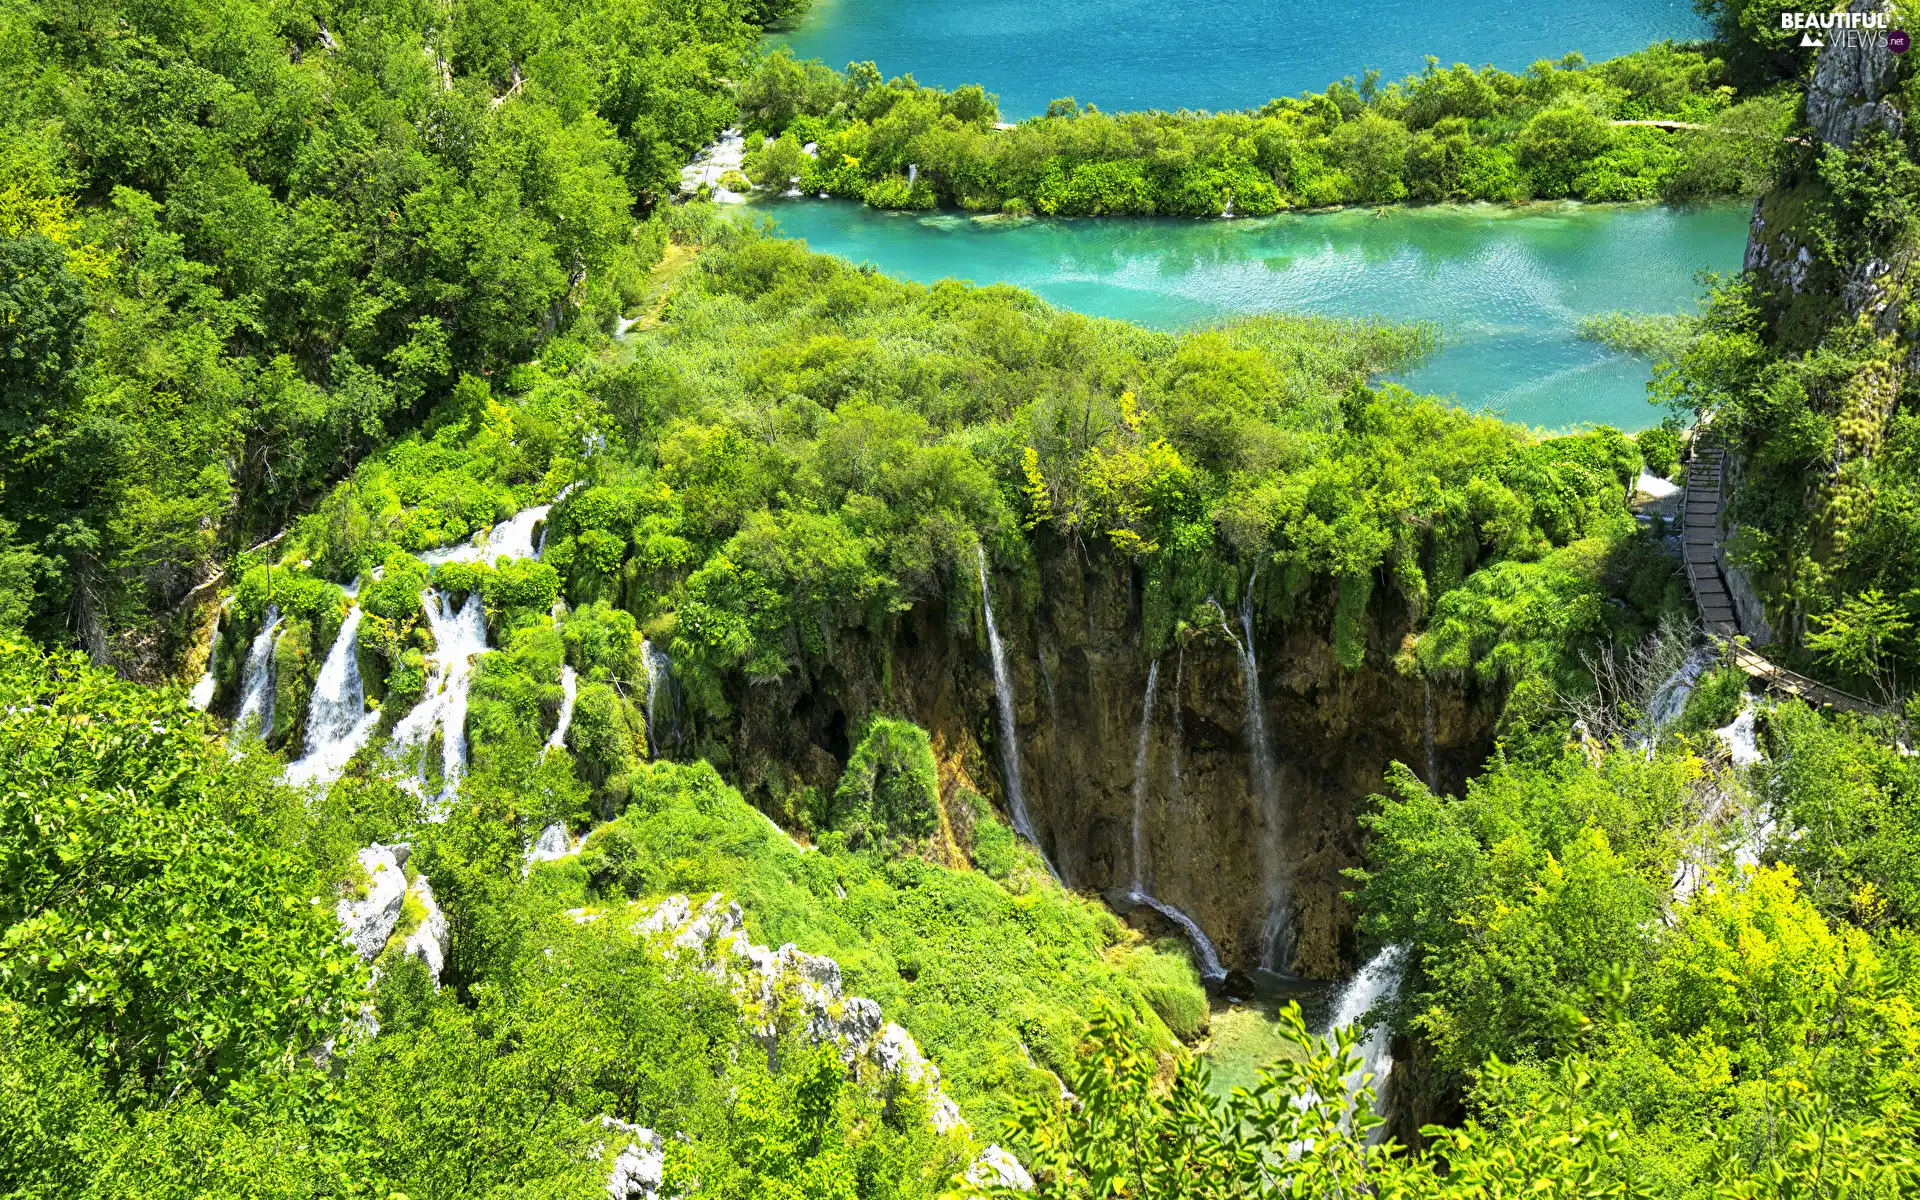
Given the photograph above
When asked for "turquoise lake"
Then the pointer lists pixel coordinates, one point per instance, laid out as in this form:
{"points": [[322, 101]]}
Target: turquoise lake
{"points": [[1505, 286], [1213, 54]]}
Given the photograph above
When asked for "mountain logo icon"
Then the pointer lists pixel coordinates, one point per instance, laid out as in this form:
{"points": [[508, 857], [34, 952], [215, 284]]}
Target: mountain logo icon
{"points": [[1807, 40]]}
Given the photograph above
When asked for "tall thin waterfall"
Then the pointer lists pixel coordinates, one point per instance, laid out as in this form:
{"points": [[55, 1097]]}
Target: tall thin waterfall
{"points": [[570, 688], [1376, 981], [256, 677], [1140, 779], [1204, 951], [1266, 792], [1179, 699], [1433, 772], [1203, 947], [338, 722], [659, 689], [1009, 732]]}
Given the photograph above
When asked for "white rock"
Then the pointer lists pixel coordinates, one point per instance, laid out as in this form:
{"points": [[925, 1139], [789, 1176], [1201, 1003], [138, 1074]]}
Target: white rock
{"points": [[997, 1168], [367, 923], [640, 1166], [428, 941], [775, 985]]}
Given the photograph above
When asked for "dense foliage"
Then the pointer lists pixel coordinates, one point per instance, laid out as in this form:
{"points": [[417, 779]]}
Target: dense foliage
{"points": [[241, 244], [292, 297], [1561, 129]]}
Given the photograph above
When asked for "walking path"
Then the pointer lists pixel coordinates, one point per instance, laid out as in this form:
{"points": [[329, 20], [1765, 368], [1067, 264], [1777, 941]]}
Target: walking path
{"points": [[1700, 545]]}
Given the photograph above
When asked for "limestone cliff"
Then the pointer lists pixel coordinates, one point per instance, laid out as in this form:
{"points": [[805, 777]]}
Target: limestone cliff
{"points": [[1074, 645]]}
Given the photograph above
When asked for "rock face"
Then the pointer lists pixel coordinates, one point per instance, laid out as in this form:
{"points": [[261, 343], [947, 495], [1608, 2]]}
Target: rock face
{"points": [[639, 1166], [1850, 84], [369, 922], [783, 989], [366, 923], [1078, 671], [996, 1168]]}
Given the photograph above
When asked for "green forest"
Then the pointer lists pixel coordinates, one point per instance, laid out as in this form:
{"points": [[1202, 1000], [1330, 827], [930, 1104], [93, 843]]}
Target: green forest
{"points": [[519, 681], [1562, 129]]}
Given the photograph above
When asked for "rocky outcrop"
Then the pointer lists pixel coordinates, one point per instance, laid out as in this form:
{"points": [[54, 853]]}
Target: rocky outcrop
{"points": [[389, 906], [1078, 664], [368, 920], [787, 989], [1851, 83], [996, 1168], [552, 845], [781, 991], [639, 1165]]}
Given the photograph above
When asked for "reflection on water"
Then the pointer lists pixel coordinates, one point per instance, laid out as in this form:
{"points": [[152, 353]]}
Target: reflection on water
{"points": [[1505, 285]]}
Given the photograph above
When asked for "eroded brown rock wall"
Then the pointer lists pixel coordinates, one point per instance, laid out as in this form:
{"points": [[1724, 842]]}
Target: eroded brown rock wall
{"points": [[1079, 671]]}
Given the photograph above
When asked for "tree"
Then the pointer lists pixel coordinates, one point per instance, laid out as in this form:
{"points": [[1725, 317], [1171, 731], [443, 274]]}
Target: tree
{"points": [[1861, 637], [141, 909]]}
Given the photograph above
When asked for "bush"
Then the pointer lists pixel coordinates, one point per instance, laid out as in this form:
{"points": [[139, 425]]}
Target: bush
{"points": [[888, 789]]}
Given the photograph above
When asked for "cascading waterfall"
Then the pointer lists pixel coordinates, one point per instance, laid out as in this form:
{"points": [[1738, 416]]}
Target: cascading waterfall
{"points": [[1433, 772], [1750, 829], [1009, 731], [569, 688], [458, 638], [338, 722], [511, 538], [256, 677], [1670, 698], [1379, 979], [1140, 779]]}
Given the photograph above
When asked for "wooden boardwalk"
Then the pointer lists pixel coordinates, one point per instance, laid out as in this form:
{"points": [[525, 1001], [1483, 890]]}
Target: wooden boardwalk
{"points": [[1700, 546], [1700, 541]]}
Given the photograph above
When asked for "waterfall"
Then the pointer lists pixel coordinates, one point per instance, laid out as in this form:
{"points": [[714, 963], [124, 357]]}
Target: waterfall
{"points": [[1203, 949], [1009, 732], [256, 677], [1205, 954], [1376, 981], [1179, 699], [338, 722], [1266, 792], [1738, 736], [1140, 779], [458, 639], [913, 174], [1433, 773], [512, 538], [1670, 698], [201, 694], [570, 687], [659, 684]]}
